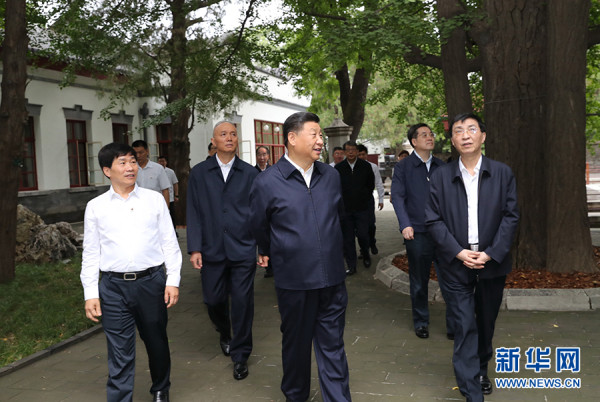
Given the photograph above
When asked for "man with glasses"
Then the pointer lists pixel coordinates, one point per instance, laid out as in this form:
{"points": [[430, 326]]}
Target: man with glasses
{"points": [[410, 193], [472, 216]]}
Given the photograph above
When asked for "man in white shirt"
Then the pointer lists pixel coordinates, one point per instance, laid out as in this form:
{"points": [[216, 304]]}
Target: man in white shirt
{"points": [[363, 152], [128, 236], [173, 188], [150, 174]]}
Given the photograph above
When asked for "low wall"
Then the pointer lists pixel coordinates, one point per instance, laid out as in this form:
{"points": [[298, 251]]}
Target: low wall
{"points": [[60, 205]]}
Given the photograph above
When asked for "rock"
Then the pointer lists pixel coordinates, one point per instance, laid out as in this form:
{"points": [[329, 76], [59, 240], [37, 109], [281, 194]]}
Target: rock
{"points": [[38, 242]]}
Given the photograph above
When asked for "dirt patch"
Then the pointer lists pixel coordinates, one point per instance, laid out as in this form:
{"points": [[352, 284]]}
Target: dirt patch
{"points": [[533, 279]]}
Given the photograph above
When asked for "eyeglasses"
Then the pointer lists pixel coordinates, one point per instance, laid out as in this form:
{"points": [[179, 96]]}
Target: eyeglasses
{"points": [[472, 130], [426, 135]]}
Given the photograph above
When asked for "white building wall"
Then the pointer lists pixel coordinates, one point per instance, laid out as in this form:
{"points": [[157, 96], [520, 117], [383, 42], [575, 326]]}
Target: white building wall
{"points": [[51, 130]]}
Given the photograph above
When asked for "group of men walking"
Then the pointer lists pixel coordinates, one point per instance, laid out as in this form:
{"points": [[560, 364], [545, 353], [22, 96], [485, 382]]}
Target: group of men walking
{"points": [[298, 218], [462, 216]]}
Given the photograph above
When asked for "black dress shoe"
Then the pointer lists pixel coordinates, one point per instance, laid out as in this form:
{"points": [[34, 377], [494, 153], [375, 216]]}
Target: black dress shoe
{"points": [[486, 384], [350, 271], [225, 344], [374, 250], [367, 261], [161, 396], [240, 370], [422, 332], [450, 336]]}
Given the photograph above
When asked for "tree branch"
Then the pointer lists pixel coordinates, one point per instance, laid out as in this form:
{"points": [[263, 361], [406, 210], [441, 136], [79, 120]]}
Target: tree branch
{"points": [[198, 4], [416, 56], [237, 43], [326, 16], [194, 21], [344, 83]]}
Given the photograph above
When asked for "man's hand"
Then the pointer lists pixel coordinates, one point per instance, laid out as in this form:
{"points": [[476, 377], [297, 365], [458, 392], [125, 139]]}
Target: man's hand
{"points": [[380, 206], [408, 233], [473, 259], [171, 295], [92, 309], [482, 258], [196, 260], [263, 260]]}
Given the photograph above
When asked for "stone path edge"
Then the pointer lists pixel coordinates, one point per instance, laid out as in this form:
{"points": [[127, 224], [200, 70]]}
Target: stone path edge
{"points": [[514, 299], [80, 337]]}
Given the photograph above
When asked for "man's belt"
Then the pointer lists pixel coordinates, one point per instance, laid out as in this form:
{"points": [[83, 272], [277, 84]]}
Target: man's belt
{"points": [[132, 276], [474, 246]]}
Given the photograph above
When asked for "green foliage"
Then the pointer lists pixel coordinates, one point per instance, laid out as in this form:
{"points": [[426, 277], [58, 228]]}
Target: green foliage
{"points": [[130, 47], [43, 306], [592, 92]]}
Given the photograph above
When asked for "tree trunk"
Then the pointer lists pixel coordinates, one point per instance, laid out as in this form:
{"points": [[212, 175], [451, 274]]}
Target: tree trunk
{"points": [[454, 62], [352, 98], [179, 150], [514, 89], [569, 240], [534, 60], [13, 119]]}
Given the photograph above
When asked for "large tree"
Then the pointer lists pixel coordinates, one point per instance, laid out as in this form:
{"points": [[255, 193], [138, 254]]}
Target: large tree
{"points": [[176, 50], [532, 57], [530, 60], [13, 119], [334, 48]]}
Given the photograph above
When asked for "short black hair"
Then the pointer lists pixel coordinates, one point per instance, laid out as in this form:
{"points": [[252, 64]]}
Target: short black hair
{"points": [[459, 118], [140, 143], [112, 151], [210, 145], [350, 144], [266, 148], [337, 149], [163, 157], [412, 131], [295, 122], [362, 148]]}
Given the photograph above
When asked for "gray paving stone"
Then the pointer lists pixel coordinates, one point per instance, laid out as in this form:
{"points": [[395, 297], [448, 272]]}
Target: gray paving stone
{"points": [[387, 361]]}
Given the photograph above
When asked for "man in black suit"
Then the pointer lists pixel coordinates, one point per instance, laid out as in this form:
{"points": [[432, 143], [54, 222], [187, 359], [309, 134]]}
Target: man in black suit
{"points": [[262, 164], [472, 216], [221, 245], [262, 158], [298, 229], [358, 183]]}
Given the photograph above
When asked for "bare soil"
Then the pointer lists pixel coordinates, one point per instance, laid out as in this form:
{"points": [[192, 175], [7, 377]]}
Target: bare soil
{"points": [[521, 278]]}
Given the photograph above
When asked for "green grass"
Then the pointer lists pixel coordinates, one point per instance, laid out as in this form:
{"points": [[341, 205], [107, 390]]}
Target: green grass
{"points": [[43, 306]]}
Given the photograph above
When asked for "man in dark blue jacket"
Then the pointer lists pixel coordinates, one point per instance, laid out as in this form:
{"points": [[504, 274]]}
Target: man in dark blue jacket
{"points": [[410, 193], [472, 216], [297, 228], [221, 244]]}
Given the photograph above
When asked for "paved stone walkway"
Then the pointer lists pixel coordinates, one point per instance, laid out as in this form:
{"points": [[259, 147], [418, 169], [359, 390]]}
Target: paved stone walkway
{"points": [[387, 361]]}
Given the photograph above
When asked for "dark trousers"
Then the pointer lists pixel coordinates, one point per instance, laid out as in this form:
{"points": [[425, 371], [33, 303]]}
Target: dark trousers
{"points": [[372, 228], [421, 253], [314, 317], [125, 305], [172, 212], [231, 279], [474, 307], [355, 224]]}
